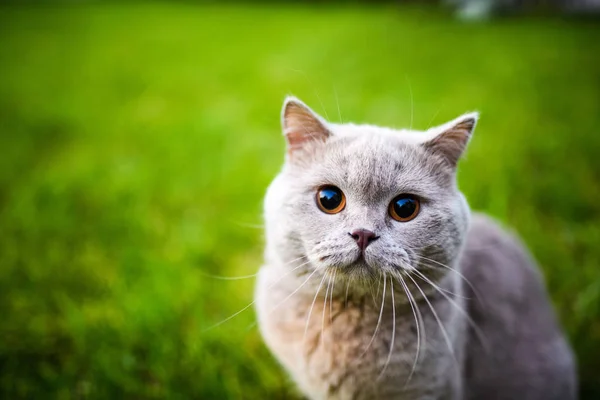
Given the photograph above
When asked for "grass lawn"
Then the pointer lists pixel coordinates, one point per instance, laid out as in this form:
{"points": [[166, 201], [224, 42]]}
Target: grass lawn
{"points": [[136, 142]]}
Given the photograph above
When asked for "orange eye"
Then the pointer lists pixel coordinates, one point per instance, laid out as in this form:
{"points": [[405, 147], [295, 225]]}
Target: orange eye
{"points": [[404, 207], [330, 199]]}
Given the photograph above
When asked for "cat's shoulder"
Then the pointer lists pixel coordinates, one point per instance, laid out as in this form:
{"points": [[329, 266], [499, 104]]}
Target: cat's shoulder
{"points": [[486, 233], [495, 255]]}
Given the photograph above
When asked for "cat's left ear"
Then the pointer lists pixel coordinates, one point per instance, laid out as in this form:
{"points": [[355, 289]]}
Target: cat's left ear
{"points": [[301, 125], [450, 140]]}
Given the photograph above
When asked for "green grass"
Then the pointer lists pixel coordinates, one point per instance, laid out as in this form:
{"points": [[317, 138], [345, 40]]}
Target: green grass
{"points": [[136, 142]]}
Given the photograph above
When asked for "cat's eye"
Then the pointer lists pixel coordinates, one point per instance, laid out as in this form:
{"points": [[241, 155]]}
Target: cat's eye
{"points": [[404, 207], [330, 199]]}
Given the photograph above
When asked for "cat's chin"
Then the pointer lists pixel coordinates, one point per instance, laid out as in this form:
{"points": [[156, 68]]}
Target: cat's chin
{"points": [[359, 268]]}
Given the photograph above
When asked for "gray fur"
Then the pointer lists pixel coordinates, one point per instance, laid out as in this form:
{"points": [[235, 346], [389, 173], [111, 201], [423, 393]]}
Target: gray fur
{"points": [[453, 289]]}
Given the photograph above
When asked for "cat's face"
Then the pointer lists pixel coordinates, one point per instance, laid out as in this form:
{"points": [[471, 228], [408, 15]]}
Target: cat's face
{"points": [[365, 200]]}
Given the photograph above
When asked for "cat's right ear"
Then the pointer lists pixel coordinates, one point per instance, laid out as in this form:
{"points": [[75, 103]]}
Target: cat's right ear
{"points": [[301, 125], [450, 140]]}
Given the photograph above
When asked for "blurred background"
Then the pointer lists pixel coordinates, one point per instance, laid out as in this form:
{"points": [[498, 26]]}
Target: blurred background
{"points": [[137, 140]]}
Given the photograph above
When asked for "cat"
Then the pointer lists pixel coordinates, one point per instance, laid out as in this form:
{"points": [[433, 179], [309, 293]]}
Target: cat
{"points": [[379, 283]]}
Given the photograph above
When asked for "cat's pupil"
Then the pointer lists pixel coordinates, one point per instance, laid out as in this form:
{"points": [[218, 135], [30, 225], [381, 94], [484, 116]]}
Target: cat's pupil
{"points": [[330, 197], [405, 207]]}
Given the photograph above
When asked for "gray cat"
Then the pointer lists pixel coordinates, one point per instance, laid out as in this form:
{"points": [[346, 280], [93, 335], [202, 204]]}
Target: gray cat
{"points": [[379, 283]]}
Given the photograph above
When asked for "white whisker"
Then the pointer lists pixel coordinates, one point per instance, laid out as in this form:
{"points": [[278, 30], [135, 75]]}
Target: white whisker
{"points": [[337, 101], [477, 330], [371, 292], [437, 287], [411, 101], [312, 306], [314, 88], [270, 286], [389, 357], [347, 288], [378, 320], [325, 308], [228, 318], [437, 318], [450, 269], [290, 295], [236, 278], [331, 298], [418, 320], [378, 288], [432, 118], [295, 291], [228, 278]]}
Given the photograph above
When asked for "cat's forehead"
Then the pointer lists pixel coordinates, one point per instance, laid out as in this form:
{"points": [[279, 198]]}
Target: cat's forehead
{"points": [[374, 163]]}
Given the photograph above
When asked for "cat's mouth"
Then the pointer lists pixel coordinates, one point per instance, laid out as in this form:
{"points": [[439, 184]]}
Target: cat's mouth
{"points": [[361, 266], [364, 263], [368, 265]]}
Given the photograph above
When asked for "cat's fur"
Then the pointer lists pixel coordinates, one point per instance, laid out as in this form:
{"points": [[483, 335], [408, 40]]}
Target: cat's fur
{"points": [[345, 328]]}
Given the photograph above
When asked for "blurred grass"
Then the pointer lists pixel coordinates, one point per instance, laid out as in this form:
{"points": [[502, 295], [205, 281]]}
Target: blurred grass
{"points": [[137, 141]]}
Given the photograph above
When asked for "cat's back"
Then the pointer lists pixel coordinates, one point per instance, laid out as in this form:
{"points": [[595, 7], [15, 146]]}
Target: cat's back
{"points": [[519, 350]]}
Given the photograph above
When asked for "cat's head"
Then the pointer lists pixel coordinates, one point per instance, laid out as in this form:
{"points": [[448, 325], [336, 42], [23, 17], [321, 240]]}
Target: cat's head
{"points": [[364, 200]]}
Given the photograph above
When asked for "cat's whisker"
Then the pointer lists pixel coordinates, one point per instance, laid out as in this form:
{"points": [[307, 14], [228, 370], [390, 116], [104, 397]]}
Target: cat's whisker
{"points": [[312, 306], [450, 269], [294, 260], [389, 357], [296, 290], [418, 321], [476, 328], [297, 267], [254, 301], [441, 290], [412, 103], [437, 318], [279, 280], [324, 308], [437, 287], [471, 248], [228, 278], [331, 298], [378, 288], [347, 288], [378, 320], [314, 88], [432, 118], [337, 101], [371, 292], [229, 318], [236, 278]]}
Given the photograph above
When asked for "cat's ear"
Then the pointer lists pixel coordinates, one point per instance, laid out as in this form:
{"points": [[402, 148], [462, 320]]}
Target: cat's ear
{"points": [[450, 140], [301, 125]]}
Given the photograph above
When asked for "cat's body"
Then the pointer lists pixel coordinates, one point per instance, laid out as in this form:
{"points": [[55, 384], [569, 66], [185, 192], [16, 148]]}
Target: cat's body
{"points": [[441, 306]]}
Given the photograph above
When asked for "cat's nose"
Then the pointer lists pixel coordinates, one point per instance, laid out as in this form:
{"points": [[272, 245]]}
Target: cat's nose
{"points": [[363, 238]]}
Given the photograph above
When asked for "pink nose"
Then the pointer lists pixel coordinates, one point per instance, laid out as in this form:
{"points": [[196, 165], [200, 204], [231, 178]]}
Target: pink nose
{"points": [[363, 238]]}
